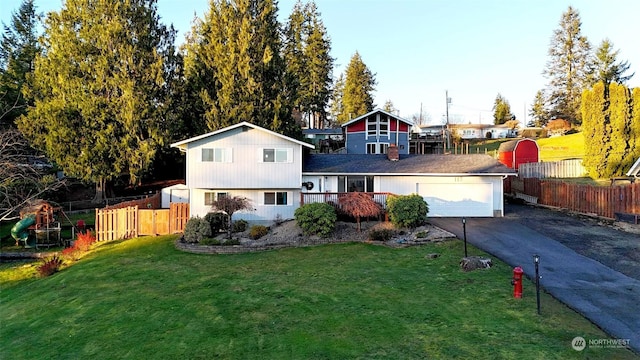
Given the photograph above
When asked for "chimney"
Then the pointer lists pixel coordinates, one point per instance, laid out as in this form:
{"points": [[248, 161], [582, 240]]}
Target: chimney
{"points": [[392, 153]]}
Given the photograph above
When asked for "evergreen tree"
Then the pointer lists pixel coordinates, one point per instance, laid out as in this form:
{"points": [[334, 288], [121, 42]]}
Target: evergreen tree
{"points": [[18, 48], [306, 52], [595, 110], [538, 112], [98, 89], [501, 110], [336, 100], [234, 62], [389, 107], [606, 67], [619, 125], [568, 68], [359, 83], [634, 128]]}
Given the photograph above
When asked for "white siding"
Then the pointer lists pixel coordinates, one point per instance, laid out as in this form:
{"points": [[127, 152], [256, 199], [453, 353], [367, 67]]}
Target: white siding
{"points": [[246, 170], [262, 214]]}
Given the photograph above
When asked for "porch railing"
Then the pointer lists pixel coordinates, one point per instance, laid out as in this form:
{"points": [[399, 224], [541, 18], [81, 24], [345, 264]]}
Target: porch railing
{"points": [[332, 198]]}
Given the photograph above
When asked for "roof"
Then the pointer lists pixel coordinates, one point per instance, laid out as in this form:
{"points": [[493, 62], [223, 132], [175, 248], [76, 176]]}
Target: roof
{"points": [[182, 144], [473, 164], [511, 145], [376, 111], [336, 131], [635, 169]]}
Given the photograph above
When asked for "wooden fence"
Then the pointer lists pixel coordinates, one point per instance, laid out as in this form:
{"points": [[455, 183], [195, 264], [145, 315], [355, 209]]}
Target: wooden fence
{"points": [[603, 201], [556, 169], [133, 221]]}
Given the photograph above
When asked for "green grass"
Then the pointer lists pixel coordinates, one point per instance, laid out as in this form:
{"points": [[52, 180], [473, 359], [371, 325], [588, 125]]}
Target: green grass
{"points": [[561, 147], [142, 298]]}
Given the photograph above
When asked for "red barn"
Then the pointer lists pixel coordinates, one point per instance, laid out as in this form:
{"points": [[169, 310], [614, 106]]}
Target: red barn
{"points": [[515, 152]]}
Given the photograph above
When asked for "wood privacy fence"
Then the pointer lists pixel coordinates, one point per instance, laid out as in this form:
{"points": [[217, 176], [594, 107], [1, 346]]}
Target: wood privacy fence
{"points": [[133, 221], [603, 201], [556, 169]]}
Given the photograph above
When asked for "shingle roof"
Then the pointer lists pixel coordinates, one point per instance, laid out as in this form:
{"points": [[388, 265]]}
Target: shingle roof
{"points": [[408, 164]]}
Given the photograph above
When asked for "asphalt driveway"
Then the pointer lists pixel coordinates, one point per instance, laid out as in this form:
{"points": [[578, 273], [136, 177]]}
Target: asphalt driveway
{"points": [[583, 261]]}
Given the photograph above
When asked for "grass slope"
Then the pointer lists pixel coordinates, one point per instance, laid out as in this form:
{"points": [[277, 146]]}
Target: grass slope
{"points": [[561, 147], [143, 298]]}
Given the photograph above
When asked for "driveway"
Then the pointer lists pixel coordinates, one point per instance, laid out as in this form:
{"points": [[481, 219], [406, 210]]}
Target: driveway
{"points": [[585, 263]]}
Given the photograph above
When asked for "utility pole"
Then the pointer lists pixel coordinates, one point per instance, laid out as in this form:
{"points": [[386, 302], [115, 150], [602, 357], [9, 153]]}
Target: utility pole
{"points": [[448, 99]]}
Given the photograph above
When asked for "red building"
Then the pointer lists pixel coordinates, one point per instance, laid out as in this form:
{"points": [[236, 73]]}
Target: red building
{"points": [[515, 152]]}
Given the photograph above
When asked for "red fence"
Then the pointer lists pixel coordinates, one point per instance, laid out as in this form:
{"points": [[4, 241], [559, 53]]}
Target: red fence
{"points": [[600, 200], [332, 198]]}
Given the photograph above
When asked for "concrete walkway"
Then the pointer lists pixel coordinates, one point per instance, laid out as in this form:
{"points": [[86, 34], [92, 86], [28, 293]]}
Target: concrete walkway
{"points": [[606, 297]]}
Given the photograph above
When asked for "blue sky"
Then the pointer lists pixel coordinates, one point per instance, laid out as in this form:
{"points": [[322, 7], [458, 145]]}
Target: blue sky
{"points": [[419, 49]]}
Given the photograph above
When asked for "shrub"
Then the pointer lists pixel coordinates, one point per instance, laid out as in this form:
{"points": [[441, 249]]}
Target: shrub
{"points": [[230, 242], [258, 231], [407, 210], [49, 266], [380, 234], [316, 218], [210, 241], [196, 229], [218, 221], [84, 241], [240, 225]]}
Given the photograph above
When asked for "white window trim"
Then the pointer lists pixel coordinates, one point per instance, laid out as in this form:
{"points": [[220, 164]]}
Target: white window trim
{"points": [[289, 159], [227, 155], [275, 198]]}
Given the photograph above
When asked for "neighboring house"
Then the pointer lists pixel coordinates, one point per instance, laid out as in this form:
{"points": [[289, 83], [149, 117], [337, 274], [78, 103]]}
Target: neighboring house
{"points": [[325, 140], [372, 133], [428, 131], [452, 185], [272, 171], [482, 131], [244, 160]]}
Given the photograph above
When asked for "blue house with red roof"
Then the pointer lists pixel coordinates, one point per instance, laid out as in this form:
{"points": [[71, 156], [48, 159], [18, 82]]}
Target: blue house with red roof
{"points": [[374, 132]]}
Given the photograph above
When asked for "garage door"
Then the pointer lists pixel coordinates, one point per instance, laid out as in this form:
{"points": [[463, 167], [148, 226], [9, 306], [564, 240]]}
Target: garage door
{"points": [[457, 200]]}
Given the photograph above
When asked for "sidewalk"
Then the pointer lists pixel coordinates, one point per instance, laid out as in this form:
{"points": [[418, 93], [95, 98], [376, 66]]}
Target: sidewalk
{"points": [[606, 297]]}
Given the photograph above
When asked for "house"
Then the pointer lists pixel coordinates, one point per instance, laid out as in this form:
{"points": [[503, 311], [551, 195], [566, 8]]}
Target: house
{"points": [[273, 172], [373, 132], [452, 186], [325, 140], [515, 152], [245, 160], [482, 131]]}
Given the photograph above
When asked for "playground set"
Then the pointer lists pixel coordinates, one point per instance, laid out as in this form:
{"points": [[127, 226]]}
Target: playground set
{"points": [[39, 225]]}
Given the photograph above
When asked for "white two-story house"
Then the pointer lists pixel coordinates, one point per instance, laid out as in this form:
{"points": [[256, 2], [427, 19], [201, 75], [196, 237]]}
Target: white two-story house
{"points": [[248, 161]]}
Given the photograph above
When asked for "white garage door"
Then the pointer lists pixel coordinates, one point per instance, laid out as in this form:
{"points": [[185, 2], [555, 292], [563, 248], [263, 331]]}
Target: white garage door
{"points": [[457, 200]]}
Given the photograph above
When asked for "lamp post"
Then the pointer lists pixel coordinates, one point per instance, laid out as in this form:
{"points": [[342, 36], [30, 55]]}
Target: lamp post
{"points": [[536, 262], [464, 231]]}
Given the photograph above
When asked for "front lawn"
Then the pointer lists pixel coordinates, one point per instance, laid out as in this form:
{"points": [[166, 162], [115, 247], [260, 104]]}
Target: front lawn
{"points": [[142, 299]]}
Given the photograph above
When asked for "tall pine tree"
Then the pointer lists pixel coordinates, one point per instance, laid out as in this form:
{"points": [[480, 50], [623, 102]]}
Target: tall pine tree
{"points": [[234, 62], [98, 89], [538, 112], [607, 68], [568, 68], [18, 48], [359, 84], [501, 110], [595, 109]]}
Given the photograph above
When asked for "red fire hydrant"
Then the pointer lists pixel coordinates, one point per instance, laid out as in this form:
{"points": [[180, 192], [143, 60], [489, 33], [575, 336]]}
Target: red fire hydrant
{"points": [[517, 282]]}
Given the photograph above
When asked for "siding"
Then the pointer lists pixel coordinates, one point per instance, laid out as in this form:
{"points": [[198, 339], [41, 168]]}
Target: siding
{"points": [[245, 171], [262, 214]]}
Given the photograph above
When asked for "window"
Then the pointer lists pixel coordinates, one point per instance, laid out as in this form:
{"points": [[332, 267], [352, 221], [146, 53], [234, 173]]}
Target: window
{"points": [[275, 198], [277, 155], [371, 128], [355, 183], [384, 126], [210, 197], [218, 155], [377, 148]]}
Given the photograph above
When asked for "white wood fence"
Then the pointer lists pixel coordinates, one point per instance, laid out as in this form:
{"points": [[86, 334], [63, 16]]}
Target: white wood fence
{"points": [[557, 169]]}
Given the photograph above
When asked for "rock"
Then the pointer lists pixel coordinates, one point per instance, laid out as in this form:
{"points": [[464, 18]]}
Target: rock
{"points": [[475, 262], [431, 256]]}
